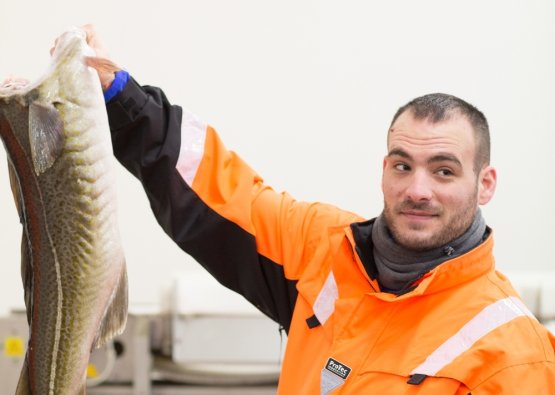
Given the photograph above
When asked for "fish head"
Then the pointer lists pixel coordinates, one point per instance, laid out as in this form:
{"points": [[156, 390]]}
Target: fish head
{"points": [[70, 76]]}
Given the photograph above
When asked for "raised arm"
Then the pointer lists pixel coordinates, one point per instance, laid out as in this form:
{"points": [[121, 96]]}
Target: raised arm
{"points": [[213, 205], [209, 201]]}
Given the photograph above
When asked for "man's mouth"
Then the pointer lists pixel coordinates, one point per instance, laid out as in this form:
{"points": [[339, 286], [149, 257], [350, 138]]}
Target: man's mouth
{"points": [[418, 214]]}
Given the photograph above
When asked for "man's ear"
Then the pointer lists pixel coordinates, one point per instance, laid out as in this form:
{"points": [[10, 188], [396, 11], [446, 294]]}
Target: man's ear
{"points": [[487, 181], [384, 164]]}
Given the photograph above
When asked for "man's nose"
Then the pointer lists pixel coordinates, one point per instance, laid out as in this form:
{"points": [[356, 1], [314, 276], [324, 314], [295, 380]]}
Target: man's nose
{"points": [[419, 187]]}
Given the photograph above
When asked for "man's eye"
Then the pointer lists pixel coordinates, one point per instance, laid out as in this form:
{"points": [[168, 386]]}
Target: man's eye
{"points": [[445, 172], [402, 167]]}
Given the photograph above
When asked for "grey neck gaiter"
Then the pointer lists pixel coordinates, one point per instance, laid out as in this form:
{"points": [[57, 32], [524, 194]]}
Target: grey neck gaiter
{"points": [[398, 266]]}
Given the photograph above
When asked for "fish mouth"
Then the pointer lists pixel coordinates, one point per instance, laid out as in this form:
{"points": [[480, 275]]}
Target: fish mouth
{"points": [[12, 84]]}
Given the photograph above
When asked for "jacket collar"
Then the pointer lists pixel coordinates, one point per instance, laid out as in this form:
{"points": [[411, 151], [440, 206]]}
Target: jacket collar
{"points": [[448, 274]]}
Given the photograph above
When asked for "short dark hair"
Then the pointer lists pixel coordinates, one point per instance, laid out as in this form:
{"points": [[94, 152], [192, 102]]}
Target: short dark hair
{"points": [[438, 107]]}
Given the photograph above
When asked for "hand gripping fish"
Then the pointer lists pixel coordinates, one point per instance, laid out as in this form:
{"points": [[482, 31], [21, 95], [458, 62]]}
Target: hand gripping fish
{"points": [[60, 161]]}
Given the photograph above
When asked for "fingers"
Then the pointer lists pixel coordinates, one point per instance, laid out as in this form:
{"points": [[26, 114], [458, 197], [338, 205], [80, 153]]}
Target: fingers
{"points": [[104, 66], [90, 32], [101, 63], [106, 70], [54, 47], [93, 40], [89, 29]]}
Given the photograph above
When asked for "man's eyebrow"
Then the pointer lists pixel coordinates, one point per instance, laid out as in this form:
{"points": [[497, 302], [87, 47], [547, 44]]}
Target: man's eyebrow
{"points": [[444, 157], [399, 152], [441, 157]]}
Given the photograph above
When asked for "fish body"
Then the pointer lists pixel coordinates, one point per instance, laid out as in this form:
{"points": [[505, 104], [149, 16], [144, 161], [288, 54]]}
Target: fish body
{"points": [[62, 175]]}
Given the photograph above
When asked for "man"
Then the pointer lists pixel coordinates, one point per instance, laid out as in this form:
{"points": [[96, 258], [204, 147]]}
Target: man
{"points": [[406, 303]]}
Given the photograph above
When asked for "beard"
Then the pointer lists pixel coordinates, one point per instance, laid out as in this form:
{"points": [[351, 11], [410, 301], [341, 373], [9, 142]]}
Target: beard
{"points": [[415, 237]]}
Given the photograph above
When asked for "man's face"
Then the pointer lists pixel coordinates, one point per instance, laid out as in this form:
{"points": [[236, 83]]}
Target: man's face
{"points": [[431, 191]]}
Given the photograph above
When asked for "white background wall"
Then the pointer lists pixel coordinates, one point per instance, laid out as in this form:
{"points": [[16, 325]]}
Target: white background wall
{"points": [[304, 90]]}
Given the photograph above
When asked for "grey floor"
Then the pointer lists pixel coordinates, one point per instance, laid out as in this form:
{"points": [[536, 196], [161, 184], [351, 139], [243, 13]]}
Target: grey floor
{"points": [[184, 390]]}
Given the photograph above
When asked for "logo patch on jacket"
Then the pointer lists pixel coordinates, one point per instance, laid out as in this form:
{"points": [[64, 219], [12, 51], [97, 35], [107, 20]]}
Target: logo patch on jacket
{"points": [[333, 375], [338, 368]]}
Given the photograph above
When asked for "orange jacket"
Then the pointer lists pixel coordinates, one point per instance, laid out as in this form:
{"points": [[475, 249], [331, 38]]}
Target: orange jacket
{"points": [[463, 327], [461, 330]]}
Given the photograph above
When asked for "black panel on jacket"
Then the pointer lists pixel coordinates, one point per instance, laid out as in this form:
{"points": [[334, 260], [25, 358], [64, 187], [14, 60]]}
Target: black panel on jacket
{"points": [[362, 233]]}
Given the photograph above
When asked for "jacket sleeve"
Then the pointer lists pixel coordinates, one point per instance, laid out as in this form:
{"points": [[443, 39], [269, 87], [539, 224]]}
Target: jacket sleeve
{"points": [[213, 205]]}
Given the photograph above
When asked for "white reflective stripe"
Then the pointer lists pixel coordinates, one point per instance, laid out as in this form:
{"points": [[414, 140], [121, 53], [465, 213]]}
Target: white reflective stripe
{"points": [[490, 318], [193, 135], [325, 302]]}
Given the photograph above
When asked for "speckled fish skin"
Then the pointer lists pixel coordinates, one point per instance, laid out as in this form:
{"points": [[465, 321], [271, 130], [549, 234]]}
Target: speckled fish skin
{"points": [[57, 139]]}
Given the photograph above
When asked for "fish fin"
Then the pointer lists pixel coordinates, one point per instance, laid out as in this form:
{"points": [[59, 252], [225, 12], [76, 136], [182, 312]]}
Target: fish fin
{"points": [[115, 318], [23, 387], [45, 135]]}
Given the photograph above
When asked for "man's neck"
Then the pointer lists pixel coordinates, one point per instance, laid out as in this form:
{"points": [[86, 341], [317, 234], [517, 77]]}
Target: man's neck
{"points": [[398, 267]]}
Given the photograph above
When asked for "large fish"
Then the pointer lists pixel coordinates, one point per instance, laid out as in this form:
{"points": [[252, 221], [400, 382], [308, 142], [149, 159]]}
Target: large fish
{"points": [[62, 174]]}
